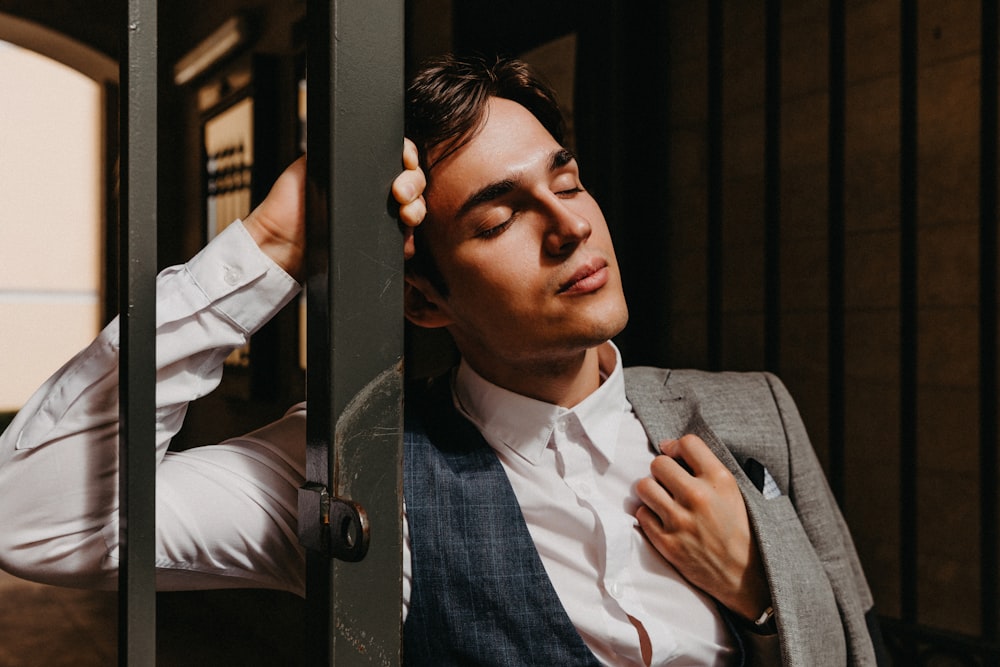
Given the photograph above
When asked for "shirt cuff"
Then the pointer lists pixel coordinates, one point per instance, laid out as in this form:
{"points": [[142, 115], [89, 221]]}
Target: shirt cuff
{"points": [[232, 263]]}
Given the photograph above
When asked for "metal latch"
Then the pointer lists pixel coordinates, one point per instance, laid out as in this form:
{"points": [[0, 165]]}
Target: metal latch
{"points": [[335, 527]]}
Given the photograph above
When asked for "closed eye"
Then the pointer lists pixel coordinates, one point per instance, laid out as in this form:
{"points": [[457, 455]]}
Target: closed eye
{"points": [[571, 192], [496, 230]]}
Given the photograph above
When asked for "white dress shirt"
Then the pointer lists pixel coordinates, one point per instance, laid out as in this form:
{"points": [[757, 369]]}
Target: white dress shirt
{"points": [[226, 512], [574, 473]]}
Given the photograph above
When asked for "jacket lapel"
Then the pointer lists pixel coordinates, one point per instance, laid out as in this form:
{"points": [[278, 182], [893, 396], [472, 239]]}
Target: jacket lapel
{"points": [[666, 415], [808, 621]]}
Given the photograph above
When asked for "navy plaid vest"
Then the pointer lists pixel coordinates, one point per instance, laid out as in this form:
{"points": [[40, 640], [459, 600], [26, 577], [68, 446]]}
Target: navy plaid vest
{"points": [[480, 595]]}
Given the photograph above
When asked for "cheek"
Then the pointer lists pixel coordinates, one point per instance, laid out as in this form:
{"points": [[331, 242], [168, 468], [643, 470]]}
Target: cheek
{"points": [[494, 292], [500, 271]]}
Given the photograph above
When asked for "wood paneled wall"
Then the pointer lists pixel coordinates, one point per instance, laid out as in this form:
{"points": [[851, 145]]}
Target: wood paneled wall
{"points": [[944, 270]]}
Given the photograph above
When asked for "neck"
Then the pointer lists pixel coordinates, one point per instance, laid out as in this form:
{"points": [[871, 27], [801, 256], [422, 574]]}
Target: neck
{"points": [[564, 381]]}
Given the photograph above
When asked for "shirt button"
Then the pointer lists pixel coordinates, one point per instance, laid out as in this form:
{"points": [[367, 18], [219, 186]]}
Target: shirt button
{"points": [[232, 276], [615, 589]]}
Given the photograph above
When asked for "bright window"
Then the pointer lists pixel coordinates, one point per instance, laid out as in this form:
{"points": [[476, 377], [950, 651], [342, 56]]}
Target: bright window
{"points": [[51, 218]]}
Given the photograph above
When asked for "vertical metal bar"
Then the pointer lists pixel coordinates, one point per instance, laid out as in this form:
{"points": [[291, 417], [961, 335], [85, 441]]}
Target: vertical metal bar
{"points": [[908, 314], [772, 187], [137, 280], [354, 431], [836, 249], [714, 258], [988, 428]]}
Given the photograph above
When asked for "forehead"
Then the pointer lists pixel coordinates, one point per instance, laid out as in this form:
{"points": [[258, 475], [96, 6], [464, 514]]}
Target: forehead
{"points": [[510, 144]]}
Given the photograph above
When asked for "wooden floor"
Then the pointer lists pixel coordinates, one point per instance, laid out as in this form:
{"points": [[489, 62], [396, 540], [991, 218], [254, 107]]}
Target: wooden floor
{"points": [[47, 625], [63, 627]]}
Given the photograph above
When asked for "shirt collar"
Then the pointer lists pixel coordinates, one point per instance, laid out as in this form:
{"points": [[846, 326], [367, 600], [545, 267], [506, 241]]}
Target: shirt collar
{"points": [[525, 425]]}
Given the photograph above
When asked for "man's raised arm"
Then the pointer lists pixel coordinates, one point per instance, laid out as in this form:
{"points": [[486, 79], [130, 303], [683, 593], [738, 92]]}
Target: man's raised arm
{"points": [[226, 512]]}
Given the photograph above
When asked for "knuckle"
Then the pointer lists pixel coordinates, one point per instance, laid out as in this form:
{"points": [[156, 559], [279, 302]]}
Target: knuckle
{"points": [[722, 478], [698, 495]]}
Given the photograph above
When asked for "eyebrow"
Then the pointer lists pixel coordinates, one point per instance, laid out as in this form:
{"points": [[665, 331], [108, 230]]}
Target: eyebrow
{"points": [[559, 159]]}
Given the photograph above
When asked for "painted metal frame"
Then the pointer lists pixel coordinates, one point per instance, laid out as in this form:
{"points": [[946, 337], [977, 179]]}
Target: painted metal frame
{"points": [[137, 370], [351, 506], [353, 501]]}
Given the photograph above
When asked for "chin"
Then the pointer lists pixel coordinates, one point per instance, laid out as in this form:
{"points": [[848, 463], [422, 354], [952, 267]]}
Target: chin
{"points": [[605, 328], [614, 322]]}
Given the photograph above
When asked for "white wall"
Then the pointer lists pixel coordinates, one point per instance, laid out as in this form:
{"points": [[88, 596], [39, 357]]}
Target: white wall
{"points": [[50, 218]]}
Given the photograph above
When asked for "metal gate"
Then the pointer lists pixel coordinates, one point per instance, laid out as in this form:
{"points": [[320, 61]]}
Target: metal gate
{"points": [[350, 509]]}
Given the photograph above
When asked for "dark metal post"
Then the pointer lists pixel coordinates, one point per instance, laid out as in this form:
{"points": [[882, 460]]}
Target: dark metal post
{"points": [[351, 505], [137, 278], [714, 259], [772, 187], [908, 306], [988, 426], [836, 246]]}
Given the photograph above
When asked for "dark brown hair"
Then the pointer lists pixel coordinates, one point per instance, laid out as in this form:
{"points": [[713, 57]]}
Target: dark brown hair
{"points": [[446, 106]]}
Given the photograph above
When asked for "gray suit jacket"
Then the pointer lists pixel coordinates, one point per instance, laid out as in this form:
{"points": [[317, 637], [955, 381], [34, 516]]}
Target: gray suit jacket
{"points": [[818, 589]]}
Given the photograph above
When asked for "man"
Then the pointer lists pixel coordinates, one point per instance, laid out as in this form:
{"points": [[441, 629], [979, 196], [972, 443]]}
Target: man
{"points": [[542, 526]]}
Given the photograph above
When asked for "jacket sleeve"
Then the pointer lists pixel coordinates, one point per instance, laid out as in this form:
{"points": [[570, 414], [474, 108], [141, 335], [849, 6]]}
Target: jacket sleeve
{"points": [[59, 457], [817, 509]]}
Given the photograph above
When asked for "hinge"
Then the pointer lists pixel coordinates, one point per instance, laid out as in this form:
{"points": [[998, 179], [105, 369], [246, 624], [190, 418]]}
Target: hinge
{"points": [[335, 527]]}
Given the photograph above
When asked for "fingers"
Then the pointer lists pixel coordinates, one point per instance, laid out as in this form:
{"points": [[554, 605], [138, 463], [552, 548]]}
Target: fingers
{"points": [[694, 515], [658, 491], [409, 245], [411, 213], [408, 191], [411, 158], [682, 480], [653, 525], [408, 187], [686, 461], [694, 455]]}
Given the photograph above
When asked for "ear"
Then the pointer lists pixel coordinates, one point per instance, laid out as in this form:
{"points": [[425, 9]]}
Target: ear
{"points": [[423, 304]]}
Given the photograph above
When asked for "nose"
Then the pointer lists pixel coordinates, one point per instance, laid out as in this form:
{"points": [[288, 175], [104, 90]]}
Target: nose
{"points": [[566, 229]]}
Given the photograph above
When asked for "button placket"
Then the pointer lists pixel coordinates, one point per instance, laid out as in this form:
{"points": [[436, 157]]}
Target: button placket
{"points": [[581, 478], [577, 473]]}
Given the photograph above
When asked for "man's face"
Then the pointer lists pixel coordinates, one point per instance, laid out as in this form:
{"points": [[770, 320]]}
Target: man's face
{"points": [[524, 251]]}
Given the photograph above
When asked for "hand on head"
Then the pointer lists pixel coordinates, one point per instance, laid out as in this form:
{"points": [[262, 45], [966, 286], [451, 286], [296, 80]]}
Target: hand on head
{"points": [[408, 190], [278, 223]]}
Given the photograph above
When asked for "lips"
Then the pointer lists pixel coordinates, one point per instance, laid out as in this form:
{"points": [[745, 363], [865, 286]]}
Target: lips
{"points": [[588, 278]]}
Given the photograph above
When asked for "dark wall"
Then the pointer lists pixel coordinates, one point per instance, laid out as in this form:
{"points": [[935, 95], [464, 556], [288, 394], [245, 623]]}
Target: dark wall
{"points": [[94, 24], [879, 317]]}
